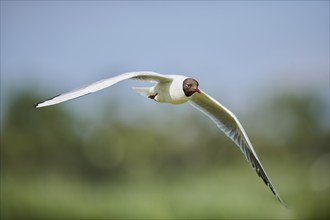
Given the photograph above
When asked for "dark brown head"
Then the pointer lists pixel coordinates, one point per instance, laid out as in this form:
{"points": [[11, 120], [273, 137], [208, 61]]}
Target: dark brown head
{"points": [[190, 86]]}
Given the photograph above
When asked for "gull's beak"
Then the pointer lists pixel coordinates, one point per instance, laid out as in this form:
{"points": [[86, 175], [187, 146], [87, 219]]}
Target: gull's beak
{"points": [[197, 90]]}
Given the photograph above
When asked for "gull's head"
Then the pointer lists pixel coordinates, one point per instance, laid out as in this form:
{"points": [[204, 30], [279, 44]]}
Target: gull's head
{"points": [[190, 86]]}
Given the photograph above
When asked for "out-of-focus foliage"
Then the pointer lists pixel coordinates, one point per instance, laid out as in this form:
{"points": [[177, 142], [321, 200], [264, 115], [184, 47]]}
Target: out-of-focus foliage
{"points": [[56, 165]]}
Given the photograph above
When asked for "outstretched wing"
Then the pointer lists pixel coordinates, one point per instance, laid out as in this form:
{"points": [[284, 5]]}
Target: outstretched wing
{"points": [[228, 123], [102, 84]]}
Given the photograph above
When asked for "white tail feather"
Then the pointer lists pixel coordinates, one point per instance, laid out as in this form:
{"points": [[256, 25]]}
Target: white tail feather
{"points": [[144, 91]]}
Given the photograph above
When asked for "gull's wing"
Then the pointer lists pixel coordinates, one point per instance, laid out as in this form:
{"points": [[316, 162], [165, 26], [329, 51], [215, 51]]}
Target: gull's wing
{"points": [[228, 123], [102, 84]]}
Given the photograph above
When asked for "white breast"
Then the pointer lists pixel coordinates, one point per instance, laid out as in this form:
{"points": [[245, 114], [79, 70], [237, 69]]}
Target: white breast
{"points": [[172, 92]]}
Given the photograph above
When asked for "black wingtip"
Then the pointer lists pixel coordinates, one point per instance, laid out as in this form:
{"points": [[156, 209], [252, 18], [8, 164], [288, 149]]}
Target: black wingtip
{"points": [[281, 201], [35, 105]]}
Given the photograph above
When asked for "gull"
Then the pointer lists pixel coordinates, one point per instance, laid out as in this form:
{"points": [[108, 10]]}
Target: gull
{"points": [[178, 89]]}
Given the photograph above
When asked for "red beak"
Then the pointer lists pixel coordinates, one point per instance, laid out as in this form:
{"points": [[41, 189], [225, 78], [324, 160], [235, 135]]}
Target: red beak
{"points": [[197, 90]]}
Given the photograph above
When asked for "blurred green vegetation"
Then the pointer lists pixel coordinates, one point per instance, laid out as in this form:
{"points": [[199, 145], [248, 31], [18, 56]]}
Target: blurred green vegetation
{"points": [[55, 165]]}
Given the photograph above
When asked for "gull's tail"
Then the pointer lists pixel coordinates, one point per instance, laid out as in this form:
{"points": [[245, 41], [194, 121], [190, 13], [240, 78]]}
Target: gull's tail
{"points": [[144, 91]]}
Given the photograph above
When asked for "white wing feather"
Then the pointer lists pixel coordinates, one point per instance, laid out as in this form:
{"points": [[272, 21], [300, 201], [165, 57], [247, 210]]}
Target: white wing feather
{"points": [[102, 84], [229, 124]]}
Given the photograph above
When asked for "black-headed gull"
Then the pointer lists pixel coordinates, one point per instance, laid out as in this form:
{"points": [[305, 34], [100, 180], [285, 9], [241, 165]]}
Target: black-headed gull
{"points": [[178, 89]]}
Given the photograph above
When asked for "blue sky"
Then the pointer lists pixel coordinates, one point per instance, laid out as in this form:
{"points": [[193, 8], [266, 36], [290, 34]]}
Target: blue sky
{"points": [[238, 50]]}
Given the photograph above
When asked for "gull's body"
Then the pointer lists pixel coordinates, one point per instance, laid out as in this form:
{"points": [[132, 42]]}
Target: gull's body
{"points": [[178, 89]]}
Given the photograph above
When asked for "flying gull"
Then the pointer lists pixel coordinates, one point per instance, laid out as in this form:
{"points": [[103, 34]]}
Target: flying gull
{"points": [[178, 89]]}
